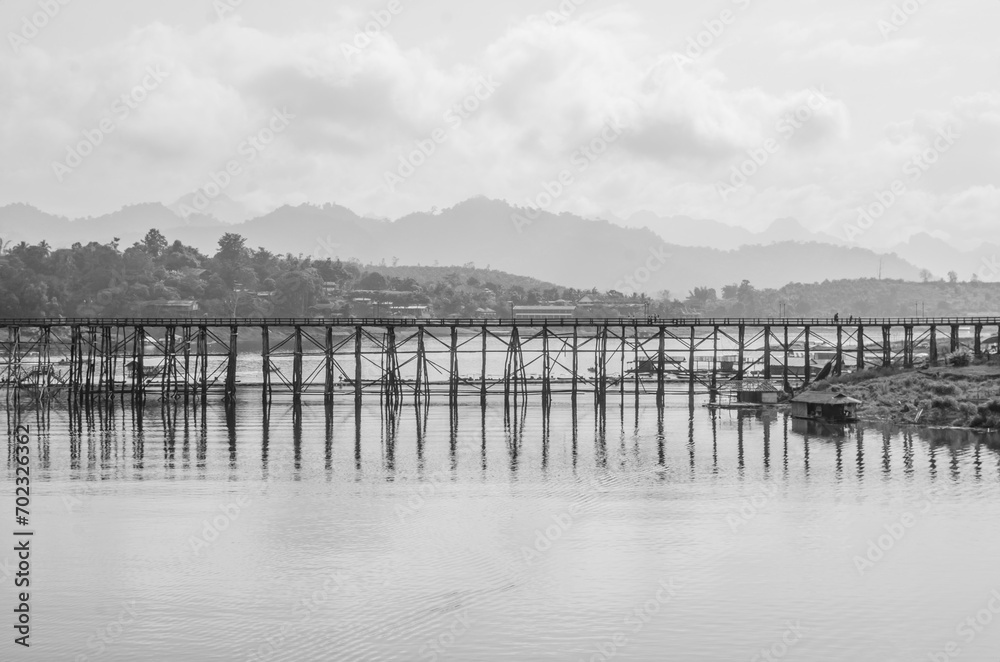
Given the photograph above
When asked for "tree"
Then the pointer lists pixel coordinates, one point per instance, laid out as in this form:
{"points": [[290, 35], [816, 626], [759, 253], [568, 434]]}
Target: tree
{"points": [[926, 275], [373, 281], [700, 296], [154, 243], [952, 277], [232, 248]]}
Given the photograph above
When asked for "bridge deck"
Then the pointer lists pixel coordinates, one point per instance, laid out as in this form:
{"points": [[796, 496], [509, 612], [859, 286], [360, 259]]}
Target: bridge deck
{"points": [[479, 323]]}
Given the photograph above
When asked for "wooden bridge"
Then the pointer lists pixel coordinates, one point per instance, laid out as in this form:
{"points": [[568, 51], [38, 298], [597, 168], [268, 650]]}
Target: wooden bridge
{"points": [[396, 358]]}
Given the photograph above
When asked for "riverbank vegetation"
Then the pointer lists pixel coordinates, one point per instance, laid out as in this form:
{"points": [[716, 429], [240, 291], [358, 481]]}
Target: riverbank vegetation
{"points": [[952, 396]]}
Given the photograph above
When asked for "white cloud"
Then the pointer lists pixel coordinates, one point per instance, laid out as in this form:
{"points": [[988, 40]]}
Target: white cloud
{"points": [[559, 85]]}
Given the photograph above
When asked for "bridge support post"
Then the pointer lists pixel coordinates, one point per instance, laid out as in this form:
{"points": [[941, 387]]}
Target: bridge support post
{"points": [[955, 344], [234, 335], [785, 349], [908, 346], [861, 348], [203, 355], [167, 385], [621, 374], [91, 360], [933, 352], [691, 361], [297, 362], [265, 359], [661, 366], [74, 350], [186, 339], [600, 365], [546, 385], [330, 375], [453, 376], [482, 377], [576, 364], [741, 352], [979, 341], [715, 363], [838, 366], [107, 377], [421, 389], [391, 386], [886, 346], [357, 366], [807, 375], [767, 352], [635, 363]]}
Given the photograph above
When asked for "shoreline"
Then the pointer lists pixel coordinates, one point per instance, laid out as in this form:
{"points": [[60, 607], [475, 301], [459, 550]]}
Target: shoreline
{"points": [[945, 397]]}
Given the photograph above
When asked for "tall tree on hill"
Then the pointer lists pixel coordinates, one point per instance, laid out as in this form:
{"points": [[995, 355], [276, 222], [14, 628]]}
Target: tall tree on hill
{"points": [[154, 243]]}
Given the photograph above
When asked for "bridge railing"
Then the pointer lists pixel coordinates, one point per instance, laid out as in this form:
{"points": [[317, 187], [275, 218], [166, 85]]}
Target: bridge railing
{"points": [[651, 321]]}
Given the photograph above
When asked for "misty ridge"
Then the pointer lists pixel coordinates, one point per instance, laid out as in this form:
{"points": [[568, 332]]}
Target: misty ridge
{"points": [[564, 249], [471, 261]]}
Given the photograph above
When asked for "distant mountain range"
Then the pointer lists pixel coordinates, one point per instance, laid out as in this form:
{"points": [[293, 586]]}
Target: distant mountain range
{"points": [[564, 248]]}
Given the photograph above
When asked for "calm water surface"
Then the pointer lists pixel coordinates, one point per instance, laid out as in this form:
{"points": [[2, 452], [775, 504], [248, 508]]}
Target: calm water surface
{"points": [[287, 533]]}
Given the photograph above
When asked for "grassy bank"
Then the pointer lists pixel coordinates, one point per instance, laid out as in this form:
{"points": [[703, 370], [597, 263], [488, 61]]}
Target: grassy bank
{"points": [[946, 396]]}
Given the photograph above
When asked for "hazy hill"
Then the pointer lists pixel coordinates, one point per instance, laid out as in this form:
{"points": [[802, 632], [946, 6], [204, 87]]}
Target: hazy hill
{"points": [[941, 258], [20, 222], [563, 249], [687, 231]]}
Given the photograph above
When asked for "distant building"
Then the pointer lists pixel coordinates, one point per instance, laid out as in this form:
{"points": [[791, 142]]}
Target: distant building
{"points": [[410, 312], [526, 312], [590, 306], [170, 308]]}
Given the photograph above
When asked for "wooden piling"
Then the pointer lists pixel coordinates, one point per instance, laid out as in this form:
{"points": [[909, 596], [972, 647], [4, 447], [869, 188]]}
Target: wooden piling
{"points": [[203, 356], [741, 352], [715, 362], [453, 373], [691, 347], [661, 365], [329, 375], [576, 364], [265, 359], [357, 366], [482, 376], [838, 367], [234, 335], [767, 352], [908, 346], [186, 339], [861, 348], [546, 385], [886, 346]]}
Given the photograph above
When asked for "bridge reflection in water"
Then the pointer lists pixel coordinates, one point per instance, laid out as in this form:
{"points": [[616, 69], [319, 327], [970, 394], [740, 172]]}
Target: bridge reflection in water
{"points": [[294, 439]]}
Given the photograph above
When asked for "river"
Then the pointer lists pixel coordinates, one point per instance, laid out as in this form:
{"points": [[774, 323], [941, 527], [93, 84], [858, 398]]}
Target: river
{"points": [[431, 533]]}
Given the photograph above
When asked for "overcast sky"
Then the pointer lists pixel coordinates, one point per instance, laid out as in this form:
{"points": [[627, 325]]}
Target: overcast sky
{"points": [[873, 90]]}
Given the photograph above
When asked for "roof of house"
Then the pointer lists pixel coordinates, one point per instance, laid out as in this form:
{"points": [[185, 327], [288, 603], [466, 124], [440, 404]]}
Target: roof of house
{"points": [[559, 309], [825, 398]]}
